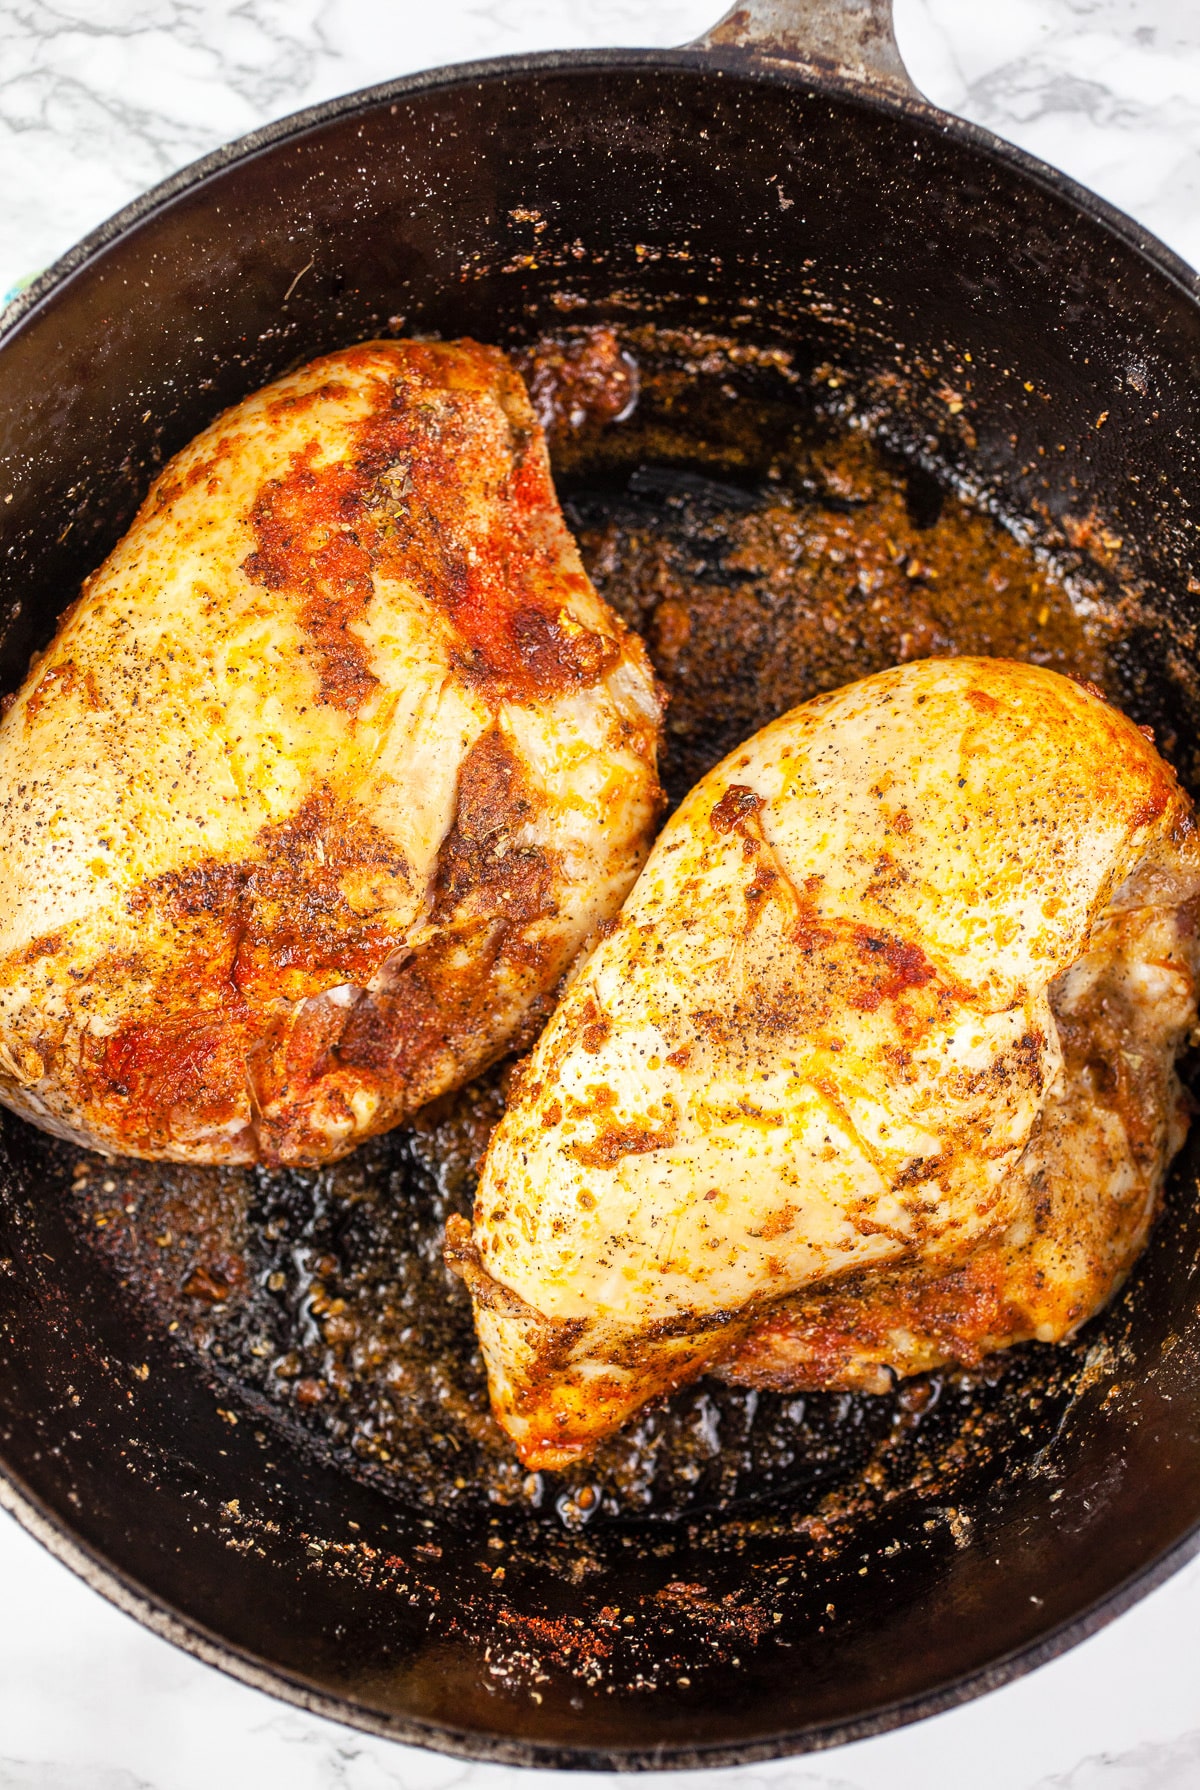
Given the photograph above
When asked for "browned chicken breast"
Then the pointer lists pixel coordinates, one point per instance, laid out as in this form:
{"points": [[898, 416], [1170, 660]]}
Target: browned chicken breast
{"points": [[876, 1071], [324, 780]]}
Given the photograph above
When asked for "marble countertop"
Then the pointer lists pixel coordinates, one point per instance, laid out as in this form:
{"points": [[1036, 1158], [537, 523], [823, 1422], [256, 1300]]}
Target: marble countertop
{"points": [[101, 98]]}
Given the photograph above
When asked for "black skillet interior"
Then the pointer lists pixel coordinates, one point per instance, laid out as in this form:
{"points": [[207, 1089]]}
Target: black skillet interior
{"points": [[987, 319]]}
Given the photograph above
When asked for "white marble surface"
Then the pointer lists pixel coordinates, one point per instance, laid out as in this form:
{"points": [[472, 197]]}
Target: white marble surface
{"points": [[100, 98]]}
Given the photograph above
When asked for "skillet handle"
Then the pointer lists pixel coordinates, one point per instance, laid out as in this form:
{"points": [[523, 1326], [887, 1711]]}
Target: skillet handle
{"points": [[849, 39]]}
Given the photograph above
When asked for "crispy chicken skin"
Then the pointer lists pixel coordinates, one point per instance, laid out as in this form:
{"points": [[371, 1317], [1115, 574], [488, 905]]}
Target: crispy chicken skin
{"points": [[876, 1070], [325, 778]]}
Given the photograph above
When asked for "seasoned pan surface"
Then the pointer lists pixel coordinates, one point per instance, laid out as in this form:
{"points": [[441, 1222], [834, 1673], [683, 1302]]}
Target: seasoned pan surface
{"points": [[867, 429]]}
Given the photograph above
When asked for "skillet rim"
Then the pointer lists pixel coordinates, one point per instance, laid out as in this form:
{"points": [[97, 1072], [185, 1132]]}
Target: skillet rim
{"points": [[46, 1525], [167, 1624], [718, 62]]}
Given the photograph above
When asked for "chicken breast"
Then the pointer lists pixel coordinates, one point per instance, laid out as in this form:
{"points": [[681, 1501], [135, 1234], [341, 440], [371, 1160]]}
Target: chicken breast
{"points": [[325, 778], [875, 1071]]}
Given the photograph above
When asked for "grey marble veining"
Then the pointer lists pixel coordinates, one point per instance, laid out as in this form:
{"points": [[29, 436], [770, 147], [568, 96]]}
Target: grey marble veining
{"points": [[1109, 90], [1154, 1765], [101, 98]]}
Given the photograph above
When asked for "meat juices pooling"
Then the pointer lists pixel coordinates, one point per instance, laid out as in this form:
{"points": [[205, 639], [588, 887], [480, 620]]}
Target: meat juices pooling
{"points": [[325, 778], [875, 1072]]}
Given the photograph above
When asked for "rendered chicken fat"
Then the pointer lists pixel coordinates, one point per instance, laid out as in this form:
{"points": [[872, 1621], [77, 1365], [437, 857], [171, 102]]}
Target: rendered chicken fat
{"points": [[323, 781], [876, 1070]]}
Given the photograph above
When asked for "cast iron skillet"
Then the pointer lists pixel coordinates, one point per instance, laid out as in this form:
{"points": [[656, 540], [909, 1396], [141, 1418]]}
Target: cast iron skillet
{"points": [[780, 181]]}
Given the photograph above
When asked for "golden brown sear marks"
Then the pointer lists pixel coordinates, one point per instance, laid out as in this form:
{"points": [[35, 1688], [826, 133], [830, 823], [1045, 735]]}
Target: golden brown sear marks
{"points": [[490, 892], [480, 868], [249, 941], [63, 679], [847, 1338], [309, 528], [301, 913], [239, 1033], [388, 508], [861, 966], [1091, 1182]]}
